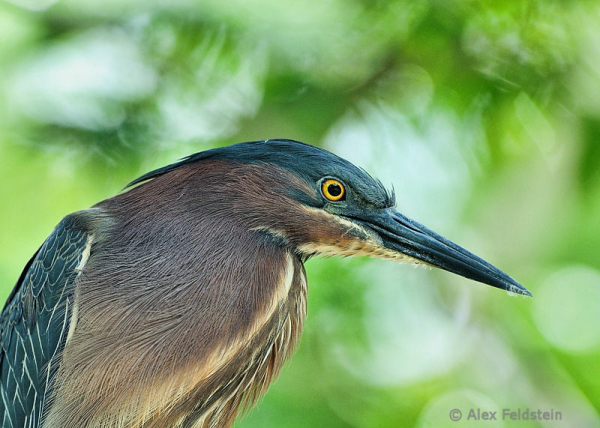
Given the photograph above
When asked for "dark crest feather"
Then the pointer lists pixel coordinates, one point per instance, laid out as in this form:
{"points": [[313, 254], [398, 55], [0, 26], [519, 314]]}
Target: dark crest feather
{"points": [[305, 160]]}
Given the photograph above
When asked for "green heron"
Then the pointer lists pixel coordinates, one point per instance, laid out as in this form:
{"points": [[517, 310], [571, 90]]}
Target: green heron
{"points": [[176, 303]]}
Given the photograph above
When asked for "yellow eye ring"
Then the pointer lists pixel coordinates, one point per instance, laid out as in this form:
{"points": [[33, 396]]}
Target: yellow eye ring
{"points": [[333, 190]]}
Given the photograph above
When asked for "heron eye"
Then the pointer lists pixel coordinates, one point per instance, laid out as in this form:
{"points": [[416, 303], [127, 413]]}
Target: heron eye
{"points": [[333, 190]]}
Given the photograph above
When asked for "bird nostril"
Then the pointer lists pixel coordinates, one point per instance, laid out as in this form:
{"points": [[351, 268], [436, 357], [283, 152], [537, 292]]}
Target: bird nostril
{"points": [[407, 225]]}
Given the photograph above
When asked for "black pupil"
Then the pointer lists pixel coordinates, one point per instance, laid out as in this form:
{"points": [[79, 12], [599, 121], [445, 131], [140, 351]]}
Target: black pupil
{"points": [[334, 190]]}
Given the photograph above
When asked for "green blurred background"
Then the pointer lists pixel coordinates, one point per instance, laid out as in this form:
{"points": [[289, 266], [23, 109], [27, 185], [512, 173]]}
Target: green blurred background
{"points": [[485, 116]]}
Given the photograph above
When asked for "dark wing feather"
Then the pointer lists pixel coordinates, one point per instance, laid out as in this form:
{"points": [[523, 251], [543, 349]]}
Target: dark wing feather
{"points": [[34, 324]]}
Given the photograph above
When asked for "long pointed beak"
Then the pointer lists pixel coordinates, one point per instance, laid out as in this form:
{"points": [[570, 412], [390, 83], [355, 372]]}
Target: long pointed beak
{"points": [[406, 236]]}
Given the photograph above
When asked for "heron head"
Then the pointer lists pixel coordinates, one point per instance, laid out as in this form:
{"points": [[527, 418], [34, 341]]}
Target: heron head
{"points": [[317, 203]]}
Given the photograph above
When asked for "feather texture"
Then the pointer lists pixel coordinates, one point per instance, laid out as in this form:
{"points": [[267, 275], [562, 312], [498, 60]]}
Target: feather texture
{"points": [[187, 311], [36, 320]]}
